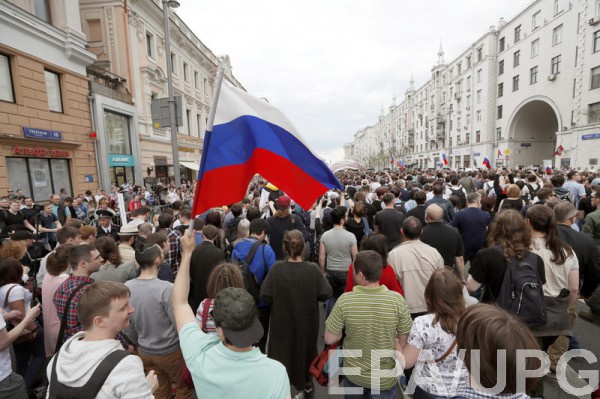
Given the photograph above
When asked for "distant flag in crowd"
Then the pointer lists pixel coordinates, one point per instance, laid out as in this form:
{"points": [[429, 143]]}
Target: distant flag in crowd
{"points": [[486, 163], [392, 159], [248, 136], [548, 170], [445, 159], [499, 153], [559, 150], [401, 164]]}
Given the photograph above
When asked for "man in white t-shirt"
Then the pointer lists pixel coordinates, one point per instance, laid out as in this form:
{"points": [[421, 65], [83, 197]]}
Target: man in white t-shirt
{"points": [[12, 385]]}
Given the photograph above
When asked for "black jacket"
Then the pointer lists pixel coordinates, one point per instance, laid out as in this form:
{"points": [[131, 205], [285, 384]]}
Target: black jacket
{"points": [[588, 255], [204, 259]]}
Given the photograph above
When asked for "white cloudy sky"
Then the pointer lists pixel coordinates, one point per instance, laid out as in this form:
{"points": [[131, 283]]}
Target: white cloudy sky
{"points": [[331, 65]]}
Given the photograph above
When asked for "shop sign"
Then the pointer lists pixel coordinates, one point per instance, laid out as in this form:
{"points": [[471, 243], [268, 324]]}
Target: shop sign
{"points": [[476, 154], [40, 152], [121, 160], [592, 136], [186, 149], [42, 134], [525, 145]]}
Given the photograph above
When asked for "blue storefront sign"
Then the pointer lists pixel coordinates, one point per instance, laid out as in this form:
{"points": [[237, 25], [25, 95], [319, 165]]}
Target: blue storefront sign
{"points": [[526, 145], [592, 136], [121, 160], [42, 134], [476, 154]]}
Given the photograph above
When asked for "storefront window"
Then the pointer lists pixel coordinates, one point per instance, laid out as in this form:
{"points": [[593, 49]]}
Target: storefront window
{"points": [[117, 133], [39, 177]]}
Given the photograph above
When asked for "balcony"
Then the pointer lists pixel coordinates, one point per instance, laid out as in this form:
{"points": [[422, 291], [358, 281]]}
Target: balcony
{"points": [[411, 132]]}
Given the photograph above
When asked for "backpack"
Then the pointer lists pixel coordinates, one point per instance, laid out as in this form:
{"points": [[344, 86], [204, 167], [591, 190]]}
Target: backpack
{"points": [[399, 206], [367, 229], [521, 291], [563, 194], [532, 191], [250, 282], [459, 192]]}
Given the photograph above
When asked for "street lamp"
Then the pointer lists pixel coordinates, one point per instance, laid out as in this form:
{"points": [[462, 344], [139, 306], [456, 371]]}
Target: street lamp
{"points": [[173, 121]]}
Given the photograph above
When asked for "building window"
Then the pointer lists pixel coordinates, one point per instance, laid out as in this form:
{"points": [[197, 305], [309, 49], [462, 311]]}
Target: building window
{"points": [[199, 123], [517, 33], [6, 87], [468, 62], [593, 113], [515, 83], [533, 75], [95, 30], [500, 67], [478, 96], [502, 44], [149, 45], [173, 64], [39, 177], [53, 90], [498, 133], [479, 54], [499, 111], [459, 67], [186, 74], [535, 48], [206, 87], [536, 20], [188, 121], [558, 6], [479, 76], [597, 40], [41, 9], [596, 77], [500, 89], [118, 138], [478, 116], [516, 58], [555, 65], [557, 35], [196, 80], [478, 136]]}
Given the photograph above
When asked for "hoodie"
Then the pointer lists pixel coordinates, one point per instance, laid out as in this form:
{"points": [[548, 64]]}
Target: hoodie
{"points": [[78, 359]]}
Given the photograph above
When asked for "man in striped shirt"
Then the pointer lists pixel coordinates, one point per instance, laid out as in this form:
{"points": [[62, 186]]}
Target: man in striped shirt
{"points": [[373, 319]]}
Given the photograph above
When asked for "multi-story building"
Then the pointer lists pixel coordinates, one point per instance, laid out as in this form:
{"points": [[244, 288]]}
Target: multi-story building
{"points": [[523, 89], [131, 71], [45, 126]]}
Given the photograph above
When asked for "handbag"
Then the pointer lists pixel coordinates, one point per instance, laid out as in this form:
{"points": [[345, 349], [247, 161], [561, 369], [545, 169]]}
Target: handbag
{"points": [[26, 335], [557, 322], [319, 368]]}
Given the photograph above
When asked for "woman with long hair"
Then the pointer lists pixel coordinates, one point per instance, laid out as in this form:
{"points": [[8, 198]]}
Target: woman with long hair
{"points": [[432, 338], [513, 199], [30, 355], [58, 268], [561, 288], [356, 224], [293, 289], [509, 237], [114, 268]]}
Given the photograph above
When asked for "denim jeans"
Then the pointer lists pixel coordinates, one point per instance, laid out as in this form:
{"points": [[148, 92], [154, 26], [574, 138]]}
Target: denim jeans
{"points": [[367, 393], [337, 280]]}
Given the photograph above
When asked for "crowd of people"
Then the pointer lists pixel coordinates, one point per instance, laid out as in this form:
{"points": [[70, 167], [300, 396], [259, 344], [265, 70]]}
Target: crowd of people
{"points": [[227, 303]]}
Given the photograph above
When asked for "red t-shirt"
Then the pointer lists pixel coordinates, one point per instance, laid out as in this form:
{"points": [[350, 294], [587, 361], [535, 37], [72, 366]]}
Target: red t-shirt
{"points": [[388, 278]]}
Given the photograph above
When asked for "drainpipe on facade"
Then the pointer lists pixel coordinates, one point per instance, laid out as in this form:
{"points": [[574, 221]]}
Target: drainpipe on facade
{"points": [[93, 122]]}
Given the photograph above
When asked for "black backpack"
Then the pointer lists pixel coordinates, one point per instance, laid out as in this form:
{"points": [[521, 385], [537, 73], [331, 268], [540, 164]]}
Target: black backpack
{"points": [[250, 282], [532, 191], [521, 292], [460, 194], [563, 194]]}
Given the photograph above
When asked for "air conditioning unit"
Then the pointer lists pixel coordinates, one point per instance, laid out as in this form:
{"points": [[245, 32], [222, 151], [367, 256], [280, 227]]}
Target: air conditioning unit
{"points": [[594, 21], [551, 77]]}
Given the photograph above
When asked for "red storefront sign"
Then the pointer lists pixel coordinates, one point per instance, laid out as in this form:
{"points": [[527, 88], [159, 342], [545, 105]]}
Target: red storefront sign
{"points": [[40, 152]]}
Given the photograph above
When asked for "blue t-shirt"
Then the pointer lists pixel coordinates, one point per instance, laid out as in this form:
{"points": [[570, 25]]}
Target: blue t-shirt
{"points": [[472, 224], [219, 372], [48, 222]]}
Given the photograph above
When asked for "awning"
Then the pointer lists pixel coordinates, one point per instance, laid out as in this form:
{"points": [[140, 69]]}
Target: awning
{"points": [[190, 165]]}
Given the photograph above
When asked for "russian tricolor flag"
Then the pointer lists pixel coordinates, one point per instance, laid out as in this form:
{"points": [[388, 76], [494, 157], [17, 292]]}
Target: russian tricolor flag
{"points": [[251, 136], [392, 159], [444, 158], [486, 163]]}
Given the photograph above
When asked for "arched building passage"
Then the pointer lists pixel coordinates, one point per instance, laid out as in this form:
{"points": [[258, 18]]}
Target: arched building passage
{"points": [[532, 133]]}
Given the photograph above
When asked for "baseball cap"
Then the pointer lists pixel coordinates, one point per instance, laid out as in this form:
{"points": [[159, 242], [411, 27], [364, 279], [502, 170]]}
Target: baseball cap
{"points": [[234, 311], [596, 182], [283, 202], [104, 214]]}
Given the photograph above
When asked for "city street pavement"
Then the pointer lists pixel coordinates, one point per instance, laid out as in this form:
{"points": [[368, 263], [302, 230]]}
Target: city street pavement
{"points": [[586, 333]]}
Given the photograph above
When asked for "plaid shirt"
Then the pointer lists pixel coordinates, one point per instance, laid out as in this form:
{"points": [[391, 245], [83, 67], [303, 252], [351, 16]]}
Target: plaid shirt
{"points": [[470, 393], [173, 258], [61, 296]]}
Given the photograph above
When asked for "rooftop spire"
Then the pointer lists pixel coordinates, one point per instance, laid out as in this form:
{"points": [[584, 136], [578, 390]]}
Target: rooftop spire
{"points": [[441, 54]]}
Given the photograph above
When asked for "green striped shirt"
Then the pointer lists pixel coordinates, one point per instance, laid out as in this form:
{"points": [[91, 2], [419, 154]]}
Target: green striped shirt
{"points": [[372, 318]]}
